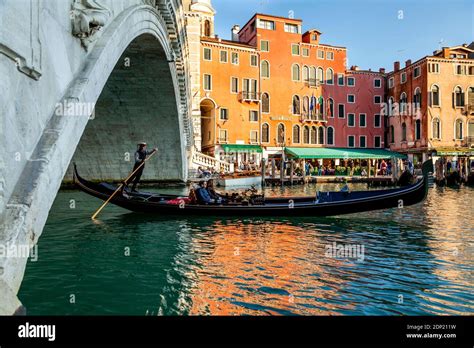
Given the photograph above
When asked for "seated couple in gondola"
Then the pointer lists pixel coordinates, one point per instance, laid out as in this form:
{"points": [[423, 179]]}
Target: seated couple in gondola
{"points": [[206, 194]]}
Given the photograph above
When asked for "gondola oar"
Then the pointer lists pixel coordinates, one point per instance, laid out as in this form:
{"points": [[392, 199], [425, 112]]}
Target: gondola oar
{"points": [[121, 185]]}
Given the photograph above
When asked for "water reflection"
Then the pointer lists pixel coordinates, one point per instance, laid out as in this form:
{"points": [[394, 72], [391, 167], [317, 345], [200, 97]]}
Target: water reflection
{"points": [[417, 260]]}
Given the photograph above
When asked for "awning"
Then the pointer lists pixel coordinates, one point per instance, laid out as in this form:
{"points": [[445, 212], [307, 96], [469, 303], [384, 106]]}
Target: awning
{"points": [[453, 152], [339, 153], [241, 148]]}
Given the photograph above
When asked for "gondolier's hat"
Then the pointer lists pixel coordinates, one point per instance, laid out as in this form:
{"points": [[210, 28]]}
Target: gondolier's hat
{"points": [[142, 143]]}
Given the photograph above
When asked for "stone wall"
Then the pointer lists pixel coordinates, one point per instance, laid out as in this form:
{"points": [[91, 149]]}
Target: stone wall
{"points": [[65, 56], [138, 103]]}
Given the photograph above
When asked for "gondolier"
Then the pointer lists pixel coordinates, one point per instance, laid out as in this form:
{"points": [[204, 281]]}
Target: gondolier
{"points": [[140, 157]]}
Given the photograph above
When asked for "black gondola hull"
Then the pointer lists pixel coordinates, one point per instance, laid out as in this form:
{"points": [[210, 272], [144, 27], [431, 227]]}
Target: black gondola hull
{"points": [[327, 204]]}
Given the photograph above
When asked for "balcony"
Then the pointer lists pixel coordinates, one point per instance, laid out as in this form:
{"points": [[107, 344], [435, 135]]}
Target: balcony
{"points": [[251, 97], [468, 141], [469, 109], [312, 117], [312, 83]]}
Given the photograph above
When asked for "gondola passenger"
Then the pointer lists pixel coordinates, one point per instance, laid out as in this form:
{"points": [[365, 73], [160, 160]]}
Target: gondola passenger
{"points": [[213, 194], [202, 194]]}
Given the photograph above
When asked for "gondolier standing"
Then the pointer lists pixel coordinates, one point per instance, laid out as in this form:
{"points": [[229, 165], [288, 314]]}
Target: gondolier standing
{"points": [[140, 156]]}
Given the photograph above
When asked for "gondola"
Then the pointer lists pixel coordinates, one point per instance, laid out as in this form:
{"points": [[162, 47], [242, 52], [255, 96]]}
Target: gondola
{"points": [[322, 204]]}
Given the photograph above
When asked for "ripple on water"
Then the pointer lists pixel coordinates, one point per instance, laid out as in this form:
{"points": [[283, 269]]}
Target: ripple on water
{"points": [[416, 261]]}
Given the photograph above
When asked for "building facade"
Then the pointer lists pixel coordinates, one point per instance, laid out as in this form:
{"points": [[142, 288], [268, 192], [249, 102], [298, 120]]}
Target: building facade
{"points": [[273, 86], [431, 104]]}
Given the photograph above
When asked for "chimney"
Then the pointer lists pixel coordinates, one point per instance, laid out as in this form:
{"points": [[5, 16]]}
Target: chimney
{"points": [[446, 52], [408, 62], [396, 66], [382, 70], [354, 67], [235, 33]]}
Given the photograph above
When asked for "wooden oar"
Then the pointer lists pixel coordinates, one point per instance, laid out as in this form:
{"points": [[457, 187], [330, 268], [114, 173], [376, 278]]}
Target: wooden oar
{"points": [[121, 185]]}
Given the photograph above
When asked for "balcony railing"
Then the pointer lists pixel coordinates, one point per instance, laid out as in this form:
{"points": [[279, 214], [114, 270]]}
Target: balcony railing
{"points": [[313, 117], [203, 160], [469, 109], [468, 141], [313, 83], [249, 96]]}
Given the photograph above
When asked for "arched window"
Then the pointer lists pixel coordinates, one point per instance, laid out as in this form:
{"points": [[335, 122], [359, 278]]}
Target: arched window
{"points": [[436, 128], [312, 74], [281, 134], [470, 96], [417, 97], [296, 105], [295, 72], [330, 108], [321, 75], [296, 134], [207, 28], [314, 135], [392, 134], [330, 136], [265, 133], [390, 106], [306, 135], [265, 103], [321, 135], [404, 131], [403, 103], [458, 97], [459, 130], [305, 73], [417, 129], [305, 106], [435, 95], [265, 69], [330, 76]]}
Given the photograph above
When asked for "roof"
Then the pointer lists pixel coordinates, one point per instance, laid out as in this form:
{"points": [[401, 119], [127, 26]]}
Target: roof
{"points": [[339, 153], [226, 42], [267, 15], [312, 31]]}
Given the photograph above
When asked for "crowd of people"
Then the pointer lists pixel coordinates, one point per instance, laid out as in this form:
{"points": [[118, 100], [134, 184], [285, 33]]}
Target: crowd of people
{"points": [[462, 167], [347, 168], [206, 173], [248, 166]]}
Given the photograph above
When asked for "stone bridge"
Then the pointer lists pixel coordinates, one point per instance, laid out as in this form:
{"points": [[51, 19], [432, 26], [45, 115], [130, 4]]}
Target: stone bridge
{"points": [[84, 81]]}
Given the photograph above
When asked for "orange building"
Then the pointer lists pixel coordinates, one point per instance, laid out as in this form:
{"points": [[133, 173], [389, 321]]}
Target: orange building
{"points": [[431, 104], [272, 87], [230, 104]]}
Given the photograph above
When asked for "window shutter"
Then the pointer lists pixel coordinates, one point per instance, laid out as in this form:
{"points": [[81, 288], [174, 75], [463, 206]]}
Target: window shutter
{"points": [[454, 100], [430, 98]]}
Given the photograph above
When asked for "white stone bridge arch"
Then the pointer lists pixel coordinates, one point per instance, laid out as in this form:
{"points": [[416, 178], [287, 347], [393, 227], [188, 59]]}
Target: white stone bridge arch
{"points": [[129, 59]]}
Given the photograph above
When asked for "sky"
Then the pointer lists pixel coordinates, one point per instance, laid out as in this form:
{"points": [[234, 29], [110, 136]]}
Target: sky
{"points": [[375, 32]]}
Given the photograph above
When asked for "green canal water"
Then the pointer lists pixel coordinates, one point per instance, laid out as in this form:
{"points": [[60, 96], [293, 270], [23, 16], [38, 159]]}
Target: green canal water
{"points": [[416, 260]]}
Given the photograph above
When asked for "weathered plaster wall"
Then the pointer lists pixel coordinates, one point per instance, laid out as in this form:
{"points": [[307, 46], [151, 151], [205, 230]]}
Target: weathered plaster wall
{"points": [[42, 64]]}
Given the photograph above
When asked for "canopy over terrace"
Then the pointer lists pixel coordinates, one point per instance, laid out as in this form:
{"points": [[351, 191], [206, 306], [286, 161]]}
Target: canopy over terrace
{"points": [[341, 153], [243, 156]]}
